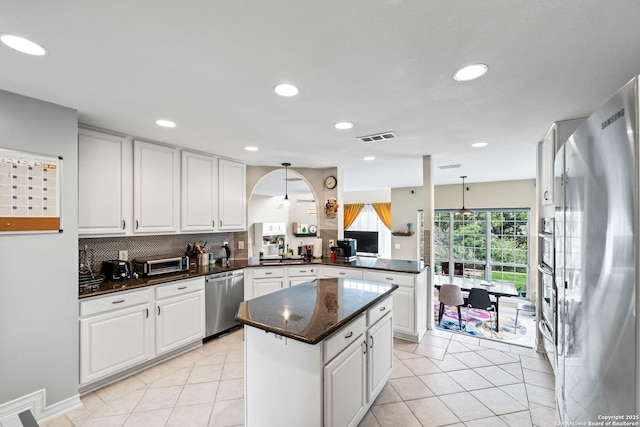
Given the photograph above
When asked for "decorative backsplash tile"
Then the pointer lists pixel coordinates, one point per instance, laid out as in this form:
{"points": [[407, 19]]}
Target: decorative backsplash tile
{"points": [[105, 248]]}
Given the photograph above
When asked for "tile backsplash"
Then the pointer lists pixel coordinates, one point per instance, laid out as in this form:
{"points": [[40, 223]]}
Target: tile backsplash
{"points": [[105, 248]]}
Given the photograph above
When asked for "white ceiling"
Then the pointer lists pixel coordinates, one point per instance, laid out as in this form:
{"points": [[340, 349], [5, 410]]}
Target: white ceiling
{"points": [[211, 65]]}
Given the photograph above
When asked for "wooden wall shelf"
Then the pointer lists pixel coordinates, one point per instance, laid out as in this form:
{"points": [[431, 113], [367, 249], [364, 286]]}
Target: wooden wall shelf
{"points": [[305, 234], [402, 233]]}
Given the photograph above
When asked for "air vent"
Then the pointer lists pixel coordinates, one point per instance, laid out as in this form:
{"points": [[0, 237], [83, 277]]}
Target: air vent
{"points": [[455, 166], [378, 137]]}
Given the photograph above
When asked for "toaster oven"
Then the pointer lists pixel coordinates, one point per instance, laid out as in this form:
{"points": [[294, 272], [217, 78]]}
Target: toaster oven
{"points": [[152, 266]]}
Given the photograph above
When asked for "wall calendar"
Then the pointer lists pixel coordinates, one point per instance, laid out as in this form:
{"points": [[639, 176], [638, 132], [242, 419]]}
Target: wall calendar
{"points": [[30, 197]]}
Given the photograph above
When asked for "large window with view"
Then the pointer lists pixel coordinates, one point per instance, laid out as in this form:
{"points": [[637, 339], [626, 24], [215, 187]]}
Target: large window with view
{"points": [[490, 244]]}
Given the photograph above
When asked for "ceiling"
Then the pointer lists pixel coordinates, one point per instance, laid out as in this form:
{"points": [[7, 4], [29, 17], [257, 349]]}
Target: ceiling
{"points": [[211, 65]]}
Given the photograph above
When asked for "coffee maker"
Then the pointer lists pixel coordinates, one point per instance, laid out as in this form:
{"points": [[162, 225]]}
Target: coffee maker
{"points": [[345, 250], [224, 254]]}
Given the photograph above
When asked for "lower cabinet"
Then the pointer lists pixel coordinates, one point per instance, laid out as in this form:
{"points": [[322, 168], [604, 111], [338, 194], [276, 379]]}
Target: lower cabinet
{"points": [[116, 334], [330, 384], [122, 330]]}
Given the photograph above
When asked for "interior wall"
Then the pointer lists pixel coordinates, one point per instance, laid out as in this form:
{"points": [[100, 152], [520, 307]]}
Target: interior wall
{"points": [[39, 285], [405, 203], [368, 196]]}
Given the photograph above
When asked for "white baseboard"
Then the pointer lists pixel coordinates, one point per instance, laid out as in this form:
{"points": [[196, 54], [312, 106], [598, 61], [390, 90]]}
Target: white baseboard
{"points": [[35, 402]]}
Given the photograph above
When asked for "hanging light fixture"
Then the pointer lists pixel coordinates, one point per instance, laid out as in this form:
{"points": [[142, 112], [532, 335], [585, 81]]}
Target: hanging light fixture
{"points": [[286, 184], [463, 211]]}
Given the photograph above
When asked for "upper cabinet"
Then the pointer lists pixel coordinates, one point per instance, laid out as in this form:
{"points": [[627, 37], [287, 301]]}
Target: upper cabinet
{"points": [[232, 195], [547, 155], [104, 183], [156, 187], [199, 207]]}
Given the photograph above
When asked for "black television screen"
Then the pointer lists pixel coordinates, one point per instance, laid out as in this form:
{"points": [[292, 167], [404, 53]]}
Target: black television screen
{"points": [[366, 241]]}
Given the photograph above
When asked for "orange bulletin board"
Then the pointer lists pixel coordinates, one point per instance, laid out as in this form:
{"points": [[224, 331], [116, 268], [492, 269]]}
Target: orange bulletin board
{"points": [[30, 196]]}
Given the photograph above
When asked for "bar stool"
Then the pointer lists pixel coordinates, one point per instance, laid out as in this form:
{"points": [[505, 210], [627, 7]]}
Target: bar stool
{"points": [[524, 306]]}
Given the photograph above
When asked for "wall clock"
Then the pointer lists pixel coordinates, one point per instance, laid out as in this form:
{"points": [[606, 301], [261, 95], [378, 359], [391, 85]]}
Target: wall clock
{"points": [[330, 182]]}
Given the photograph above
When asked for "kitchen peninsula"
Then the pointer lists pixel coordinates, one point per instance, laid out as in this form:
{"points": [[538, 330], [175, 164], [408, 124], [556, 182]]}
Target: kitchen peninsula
{"points": [[318, 353]]}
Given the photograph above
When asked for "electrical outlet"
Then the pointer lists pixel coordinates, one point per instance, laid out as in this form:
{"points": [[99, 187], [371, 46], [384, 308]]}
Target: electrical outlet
{"points": [[397, 245], [241, 244], [331, 243], [123, 255], [225, 243]]}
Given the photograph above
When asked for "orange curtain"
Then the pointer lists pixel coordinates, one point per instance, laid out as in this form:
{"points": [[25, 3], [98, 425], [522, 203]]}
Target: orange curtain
{"points": [[384, 213], [351, 212]]}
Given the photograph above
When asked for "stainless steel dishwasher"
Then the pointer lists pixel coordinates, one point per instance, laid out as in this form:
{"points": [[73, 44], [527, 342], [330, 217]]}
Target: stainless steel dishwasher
{"points": [[223, 294]]}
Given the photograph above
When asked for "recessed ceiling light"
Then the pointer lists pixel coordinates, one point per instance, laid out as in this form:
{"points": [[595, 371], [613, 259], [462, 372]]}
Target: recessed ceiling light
{"points": [[343, 125], [251, 148], [368, 158], [165, 123], [23, 45], [286, 89], [479, 144], [470, 72]]}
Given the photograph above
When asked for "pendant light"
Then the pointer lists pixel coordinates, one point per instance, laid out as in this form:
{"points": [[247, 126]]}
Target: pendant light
{"points": [[286, 182], [463, 211]]}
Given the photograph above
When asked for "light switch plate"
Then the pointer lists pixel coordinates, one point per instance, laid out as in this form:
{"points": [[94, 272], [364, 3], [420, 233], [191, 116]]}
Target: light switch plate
{"points": [[397, 245], [241, 244], [123, 255]]}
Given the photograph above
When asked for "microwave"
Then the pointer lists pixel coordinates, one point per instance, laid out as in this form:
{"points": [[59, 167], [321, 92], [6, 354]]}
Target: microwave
{"points": [[152, 266]]}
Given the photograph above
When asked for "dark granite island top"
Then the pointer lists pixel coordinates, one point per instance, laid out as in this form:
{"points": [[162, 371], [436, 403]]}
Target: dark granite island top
{"points": [[312, 311]]}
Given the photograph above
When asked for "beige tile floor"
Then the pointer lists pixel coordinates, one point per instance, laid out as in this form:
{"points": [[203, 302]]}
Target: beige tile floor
{"points": [[446, 379]]}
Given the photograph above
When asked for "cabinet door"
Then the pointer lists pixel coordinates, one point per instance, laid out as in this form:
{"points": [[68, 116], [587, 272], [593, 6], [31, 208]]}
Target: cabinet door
{"points": [[199, 192], [345, 387], [114, 341], [179, 321], [156, 188], [404, 309], [548, 152], [104, 183], [231, 190], [380, 355], [266, 286]]}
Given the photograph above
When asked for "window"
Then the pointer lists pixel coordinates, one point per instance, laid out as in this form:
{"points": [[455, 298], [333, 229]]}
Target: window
{"points": [[368, 220], [491, 244]]}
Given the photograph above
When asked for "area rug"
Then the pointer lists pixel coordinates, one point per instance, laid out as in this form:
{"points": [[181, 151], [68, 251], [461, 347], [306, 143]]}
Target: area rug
{"points": [[479, 324]]}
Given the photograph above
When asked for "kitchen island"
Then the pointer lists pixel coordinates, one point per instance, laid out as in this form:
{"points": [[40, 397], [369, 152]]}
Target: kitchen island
{"points": [[318, 353]]}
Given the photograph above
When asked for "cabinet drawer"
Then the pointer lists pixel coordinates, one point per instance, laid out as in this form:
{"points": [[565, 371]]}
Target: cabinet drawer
{"points": [[378, 311], [266, 273], [343, 337], [114, 302], [350, 273], [180, 287], [386, 277], [301, 271]]}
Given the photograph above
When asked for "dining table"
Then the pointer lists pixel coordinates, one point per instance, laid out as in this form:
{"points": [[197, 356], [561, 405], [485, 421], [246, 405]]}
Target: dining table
{"points": [[497, 289]]}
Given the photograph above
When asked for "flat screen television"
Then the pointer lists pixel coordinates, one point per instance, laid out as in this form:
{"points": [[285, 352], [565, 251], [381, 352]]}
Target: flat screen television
{"points": [[367, 241]]}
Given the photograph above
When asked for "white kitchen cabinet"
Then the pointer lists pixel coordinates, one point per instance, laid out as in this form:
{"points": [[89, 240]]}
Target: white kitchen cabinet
{"points": [[267, 280], [199, 192], [232, 195], [547, 156], [156, 188], [123, 330], [345, 272], [379, 356], [301, 274], [116, 333], [180, 314], [345, 386], [104, 183], [409, 301]]}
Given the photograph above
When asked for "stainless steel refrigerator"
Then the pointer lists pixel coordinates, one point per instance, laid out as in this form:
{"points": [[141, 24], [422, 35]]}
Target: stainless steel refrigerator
{"points": [[596, 227]]}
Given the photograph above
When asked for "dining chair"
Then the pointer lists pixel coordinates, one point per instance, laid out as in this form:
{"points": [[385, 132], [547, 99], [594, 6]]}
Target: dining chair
{"points": [[450, 295], [479, 299], [524, 306]]}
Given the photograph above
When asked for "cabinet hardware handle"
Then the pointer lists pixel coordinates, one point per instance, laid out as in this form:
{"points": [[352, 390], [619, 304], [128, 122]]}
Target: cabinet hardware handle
{"points": [[349, 335], [213, 223], [371, 346], [365, 347], [220, 224], [147, 312], [124, 224], [158, 310], [383, 308], [117, 302], [342, 272], [546, 195], [136, 224], [389, 278], [182, 287], [268, 272]]}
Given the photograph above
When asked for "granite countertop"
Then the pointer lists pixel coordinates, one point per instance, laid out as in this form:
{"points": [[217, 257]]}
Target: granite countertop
{"points": [[312, 311], [397, 265]]}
